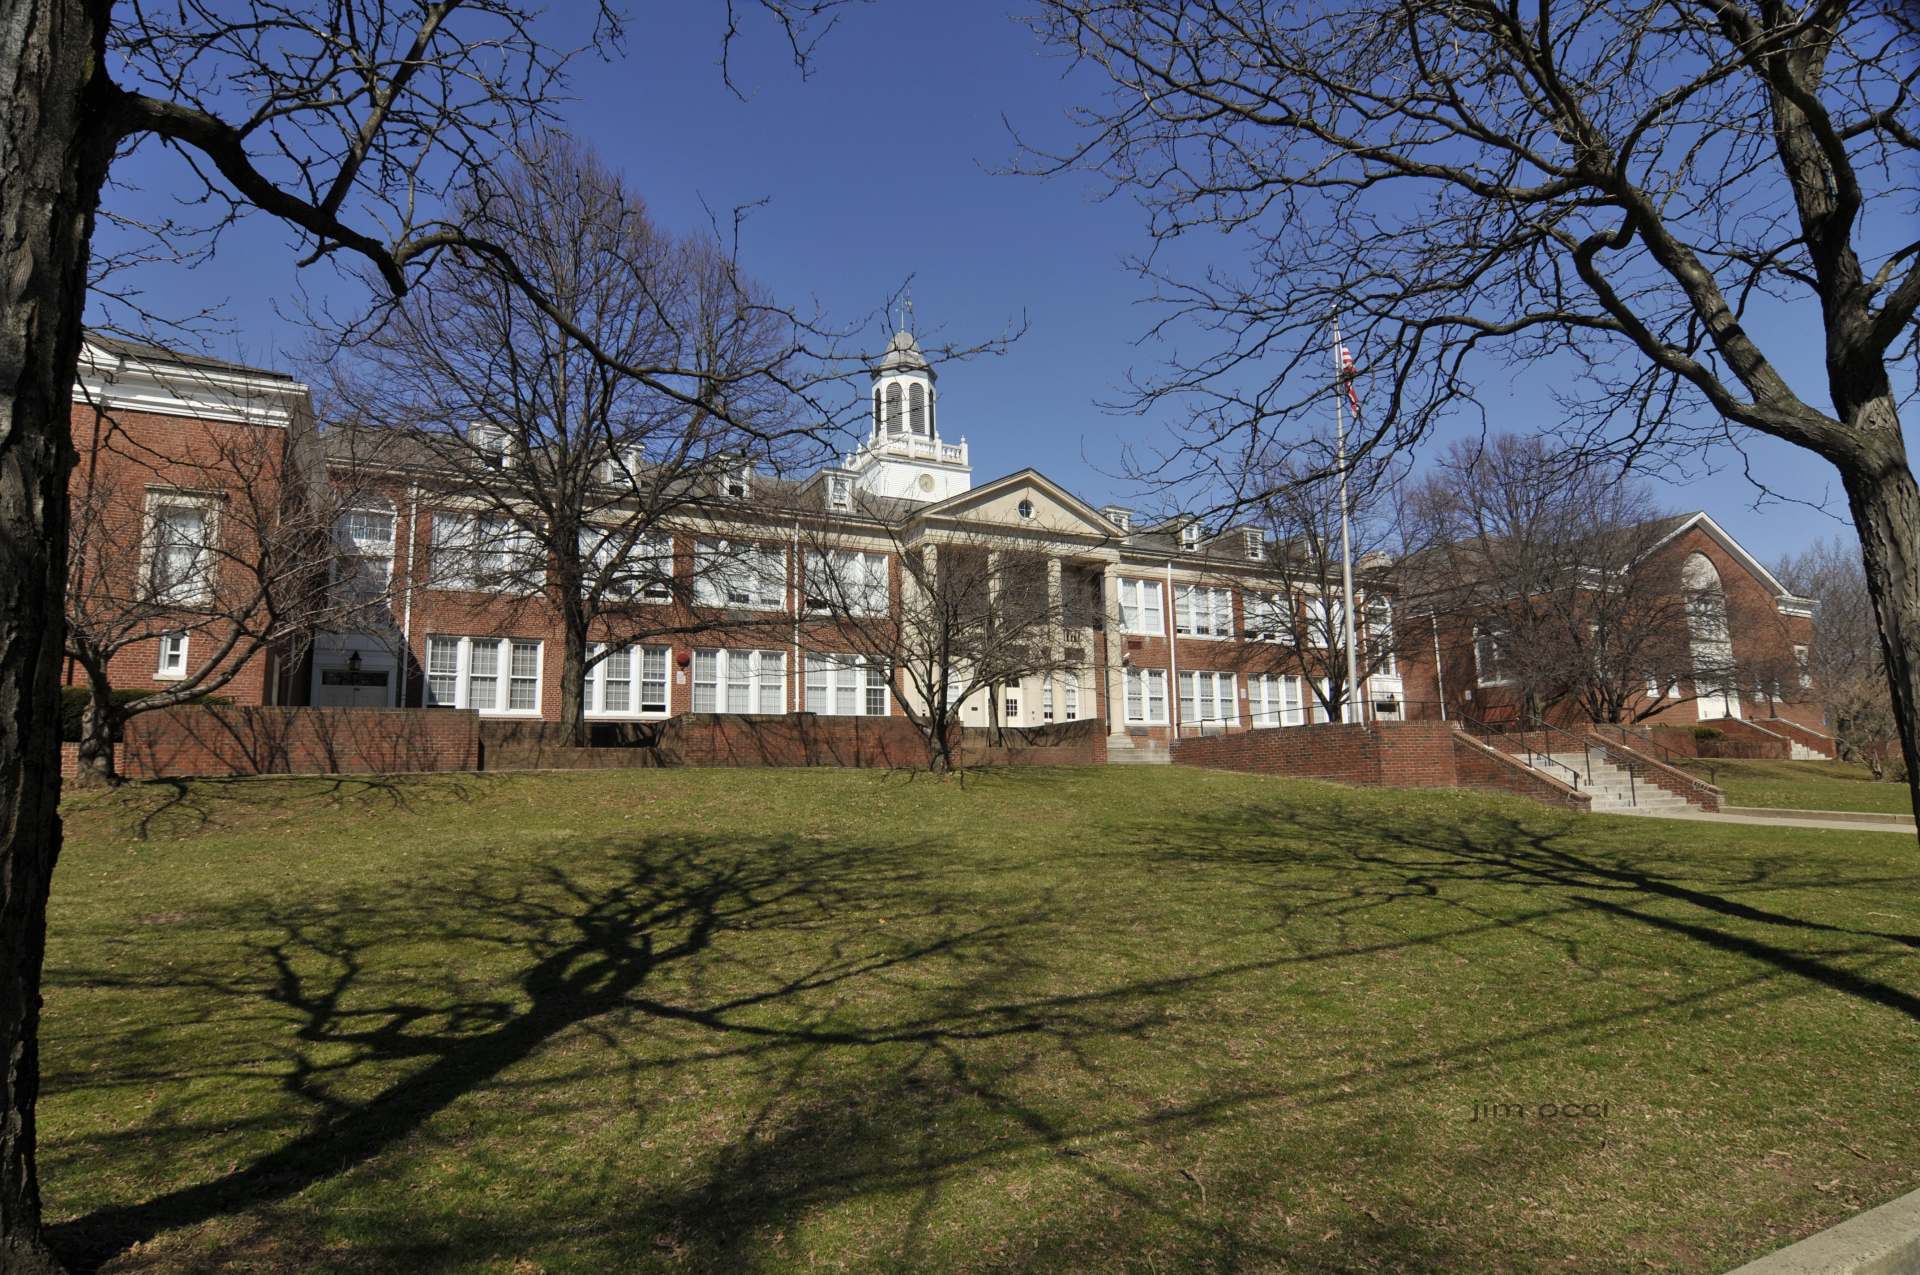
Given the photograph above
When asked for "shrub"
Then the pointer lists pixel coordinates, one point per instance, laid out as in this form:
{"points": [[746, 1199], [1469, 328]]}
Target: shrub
{"points": [[73, 708], [1707, 732]]}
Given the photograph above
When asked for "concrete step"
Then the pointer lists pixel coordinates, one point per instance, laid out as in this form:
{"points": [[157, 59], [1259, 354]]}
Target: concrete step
{"points": [[1139, 757]]}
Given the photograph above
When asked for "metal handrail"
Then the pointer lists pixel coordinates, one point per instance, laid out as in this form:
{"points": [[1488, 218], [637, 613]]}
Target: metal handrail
{"points": [[1586, 746], [1526, 745], [1632, 740]]}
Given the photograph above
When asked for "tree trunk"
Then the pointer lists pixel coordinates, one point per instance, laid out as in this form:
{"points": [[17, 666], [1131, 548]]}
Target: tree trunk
{"points": [[97, 732], [573, 684], [54, 150], [1886, 512]]}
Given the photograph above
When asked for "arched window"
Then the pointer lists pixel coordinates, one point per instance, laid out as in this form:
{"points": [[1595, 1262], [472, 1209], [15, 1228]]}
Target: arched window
{"points": [[1715, 678], [1706, 600], [893, 408], [876, 409], [917, 410]]}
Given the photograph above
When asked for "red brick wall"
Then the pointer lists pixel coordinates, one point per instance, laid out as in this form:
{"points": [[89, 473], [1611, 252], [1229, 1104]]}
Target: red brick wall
{"points": [[1385, 754], [1487, 769], [1082, 743], [199, 740], [1399, 754], [798, 739], [123, 454]]}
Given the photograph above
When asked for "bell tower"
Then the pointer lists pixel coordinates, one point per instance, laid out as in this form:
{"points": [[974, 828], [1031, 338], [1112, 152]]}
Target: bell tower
{"points": [[903, 456]]}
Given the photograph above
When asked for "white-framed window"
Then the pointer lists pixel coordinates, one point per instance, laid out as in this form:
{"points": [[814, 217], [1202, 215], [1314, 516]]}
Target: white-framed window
{"points": [[1803, 667], [182, 530], [1326, 621], [846, 580], [1256, 541], [1190, 535], [1046, 700], [840, 487], [1208, 698], [490, 442], [1490, 663], [173, 656], [739, 681], [1142, 607], [1070, 692], [363, 554], [489, 675], [1200, 611], [483, 553], [732, 573], [1147, 696], [1267, 619], [739, 483], [644, 573], [628, 682], [1379, 615], [1275, 699], [847, 686]]}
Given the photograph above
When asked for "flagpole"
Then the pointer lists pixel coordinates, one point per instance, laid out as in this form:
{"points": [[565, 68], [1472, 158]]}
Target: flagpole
{"points": [[1346, 535]]}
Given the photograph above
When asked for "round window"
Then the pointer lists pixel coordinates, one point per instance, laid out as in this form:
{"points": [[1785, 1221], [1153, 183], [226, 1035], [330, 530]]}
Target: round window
{"points": [[1026, 509]]}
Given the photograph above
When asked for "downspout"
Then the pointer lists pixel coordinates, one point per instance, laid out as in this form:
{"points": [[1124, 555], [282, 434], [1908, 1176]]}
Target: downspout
{"points": [[1173, 657], [406, 608], [1439, 676]]}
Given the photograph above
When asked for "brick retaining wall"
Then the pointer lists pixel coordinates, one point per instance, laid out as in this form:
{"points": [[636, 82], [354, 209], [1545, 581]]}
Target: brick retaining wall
{"points": [[1059, 744], [227, 739], [1383, 754]]}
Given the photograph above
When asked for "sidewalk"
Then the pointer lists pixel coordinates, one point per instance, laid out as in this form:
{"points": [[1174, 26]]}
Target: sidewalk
{"points": [[1782, 820]]}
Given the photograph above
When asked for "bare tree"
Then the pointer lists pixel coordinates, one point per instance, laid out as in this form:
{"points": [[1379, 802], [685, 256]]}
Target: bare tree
{"points": [[1295, 599], [1550, 565], [1843, 667], [572, 474], [1623, 187], [348, 120], [939, 619]]}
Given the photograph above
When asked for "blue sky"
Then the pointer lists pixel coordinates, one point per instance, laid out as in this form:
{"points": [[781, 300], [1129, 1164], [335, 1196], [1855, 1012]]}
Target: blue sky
{"points": [[882, 166]]}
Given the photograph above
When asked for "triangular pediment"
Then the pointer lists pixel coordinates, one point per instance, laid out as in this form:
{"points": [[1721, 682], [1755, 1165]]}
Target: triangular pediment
{"points": [[1024, 501]]}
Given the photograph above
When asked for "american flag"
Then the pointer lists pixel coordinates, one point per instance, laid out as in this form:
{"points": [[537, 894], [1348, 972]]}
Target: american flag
{"points": [[1347, 374]]}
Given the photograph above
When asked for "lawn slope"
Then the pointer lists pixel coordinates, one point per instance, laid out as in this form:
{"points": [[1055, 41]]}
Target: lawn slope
{"points": [[1071, 1020]]}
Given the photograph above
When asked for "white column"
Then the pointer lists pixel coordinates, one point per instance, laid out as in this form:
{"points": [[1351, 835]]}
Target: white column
{"points": [[1116, 686], [1056, 621]]}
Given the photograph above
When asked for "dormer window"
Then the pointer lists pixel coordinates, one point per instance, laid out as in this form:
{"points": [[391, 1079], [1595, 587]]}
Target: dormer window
{"points": [[739, 483], [1190, 536], [1256, 545], [1119, 516], [622, 467], [839, 491], [489, 443]]}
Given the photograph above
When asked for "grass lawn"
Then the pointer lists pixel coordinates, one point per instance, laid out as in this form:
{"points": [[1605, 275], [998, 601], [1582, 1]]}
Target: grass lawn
{"points": [[1804, 785], [1078, 1020]]}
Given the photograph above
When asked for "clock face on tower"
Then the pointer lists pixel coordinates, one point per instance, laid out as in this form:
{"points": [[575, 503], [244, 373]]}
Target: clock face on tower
{"points": [[926, 482]]}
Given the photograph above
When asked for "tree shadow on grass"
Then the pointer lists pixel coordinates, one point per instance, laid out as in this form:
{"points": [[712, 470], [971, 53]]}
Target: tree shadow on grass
{"points": [[578, 946], [1377, 857], [773, 954], [150, 810]]}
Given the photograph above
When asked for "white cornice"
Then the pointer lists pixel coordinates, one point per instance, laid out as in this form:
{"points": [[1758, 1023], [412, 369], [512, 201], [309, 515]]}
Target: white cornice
{"points": [[130, 383]]}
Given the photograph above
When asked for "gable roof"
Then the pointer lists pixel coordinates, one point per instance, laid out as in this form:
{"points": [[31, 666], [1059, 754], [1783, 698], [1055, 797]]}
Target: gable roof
{"points": [[1096, 522], [1686, 522]]}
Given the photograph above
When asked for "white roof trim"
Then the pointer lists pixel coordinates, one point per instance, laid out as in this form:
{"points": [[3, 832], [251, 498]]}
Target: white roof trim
{"points": [[1706, 523], [131, 383]]}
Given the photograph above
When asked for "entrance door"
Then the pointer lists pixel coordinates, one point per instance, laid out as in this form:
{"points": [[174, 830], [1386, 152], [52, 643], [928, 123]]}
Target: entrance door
{"points": [[343, 687]]}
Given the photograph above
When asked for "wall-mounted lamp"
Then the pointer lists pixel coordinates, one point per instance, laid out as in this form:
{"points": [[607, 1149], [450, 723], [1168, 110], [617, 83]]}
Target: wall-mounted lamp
{"points": [[353, 662]]}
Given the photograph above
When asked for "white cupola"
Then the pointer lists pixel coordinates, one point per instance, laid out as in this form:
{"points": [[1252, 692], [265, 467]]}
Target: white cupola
{"points": [[903, 455]]}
